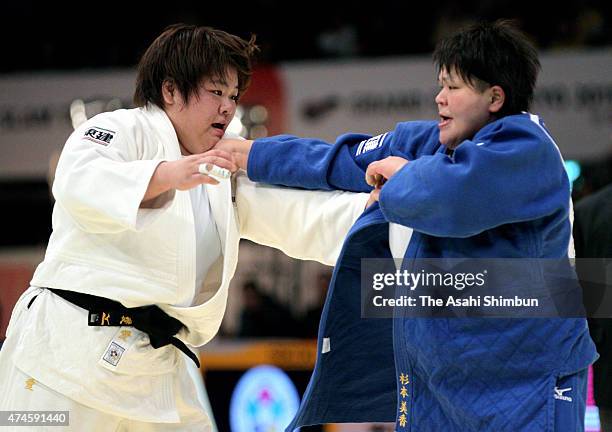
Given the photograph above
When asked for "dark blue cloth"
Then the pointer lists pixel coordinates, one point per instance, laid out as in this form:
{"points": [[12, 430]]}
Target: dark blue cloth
{"points": [[503, 194], [569, 407]]}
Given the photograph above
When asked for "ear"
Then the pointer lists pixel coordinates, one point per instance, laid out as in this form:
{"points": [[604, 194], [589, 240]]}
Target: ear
{"points": [[498, 97], [169, 92]]}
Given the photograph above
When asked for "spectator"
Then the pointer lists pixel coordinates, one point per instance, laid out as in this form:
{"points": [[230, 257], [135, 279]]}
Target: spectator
{"points": [[263, 316], [593, 239], [310, 322]]}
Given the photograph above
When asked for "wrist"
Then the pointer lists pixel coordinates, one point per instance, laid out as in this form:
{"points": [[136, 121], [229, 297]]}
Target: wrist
{"points": [[243, 146], [164, 176], [160, 181]]}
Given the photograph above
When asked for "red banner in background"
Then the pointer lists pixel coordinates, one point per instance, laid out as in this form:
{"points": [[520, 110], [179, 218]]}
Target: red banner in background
{"points": [[268, 90], [14, 280]]}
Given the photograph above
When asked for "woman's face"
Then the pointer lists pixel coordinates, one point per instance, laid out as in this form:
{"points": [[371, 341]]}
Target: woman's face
{"points": [[201, 122], [463, 109]]}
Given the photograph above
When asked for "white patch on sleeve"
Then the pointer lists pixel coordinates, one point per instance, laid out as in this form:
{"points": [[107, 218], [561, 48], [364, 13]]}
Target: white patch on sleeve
{"points": [[326, 346], [371, 144]]}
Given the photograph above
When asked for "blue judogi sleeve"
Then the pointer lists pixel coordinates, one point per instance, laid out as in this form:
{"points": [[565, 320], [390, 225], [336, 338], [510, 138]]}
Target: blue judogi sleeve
{"points": [[510, 172], [314, 164]]}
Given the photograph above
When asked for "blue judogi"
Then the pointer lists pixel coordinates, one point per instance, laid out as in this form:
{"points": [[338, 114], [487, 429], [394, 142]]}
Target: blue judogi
{"points": [[503, 194]]}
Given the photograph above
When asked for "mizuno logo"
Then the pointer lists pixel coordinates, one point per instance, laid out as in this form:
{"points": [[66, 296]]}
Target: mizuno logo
{"points": [[559, 394]]}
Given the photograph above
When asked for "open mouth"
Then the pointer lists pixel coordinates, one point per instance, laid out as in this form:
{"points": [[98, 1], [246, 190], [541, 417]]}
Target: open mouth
{"points": [[444, 120], [220, 126]]}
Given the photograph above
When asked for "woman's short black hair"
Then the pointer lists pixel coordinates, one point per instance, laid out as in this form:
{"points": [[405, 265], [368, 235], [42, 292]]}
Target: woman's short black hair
{"points": [[187, 54], [495, 53]]}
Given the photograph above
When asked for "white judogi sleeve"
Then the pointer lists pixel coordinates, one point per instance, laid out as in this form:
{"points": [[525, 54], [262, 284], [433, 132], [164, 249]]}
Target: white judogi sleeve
{"points": [[101, 177], [304, 224]]}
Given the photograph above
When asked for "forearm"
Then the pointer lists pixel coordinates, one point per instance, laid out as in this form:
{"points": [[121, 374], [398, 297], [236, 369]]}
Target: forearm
{"points": [[479, 190], [307, 163], [238, 148], [160, 182], [303, 224]]}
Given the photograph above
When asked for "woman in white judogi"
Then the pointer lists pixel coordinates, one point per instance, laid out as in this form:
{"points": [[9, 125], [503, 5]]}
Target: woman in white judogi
{"points": [[136, 222]]}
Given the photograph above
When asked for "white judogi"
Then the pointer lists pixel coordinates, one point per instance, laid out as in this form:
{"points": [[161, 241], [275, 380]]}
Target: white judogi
{"points": [[105, 244]]}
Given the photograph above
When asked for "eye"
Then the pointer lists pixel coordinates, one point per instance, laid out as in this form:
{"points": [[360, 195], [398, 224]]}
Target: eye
{"points": [[217, 92], [235, 98]]}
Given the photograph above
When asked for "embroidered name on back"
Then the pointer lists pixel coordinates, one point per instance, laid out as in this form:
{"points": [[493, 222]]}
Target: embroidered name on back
{"points": [[99, 135]]}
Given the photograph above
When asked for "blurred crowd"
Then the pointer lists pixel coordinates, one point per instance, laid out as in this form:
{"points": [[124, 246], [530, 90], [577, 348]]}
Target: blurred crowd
{"points": [[43, 36], [264, 315]]}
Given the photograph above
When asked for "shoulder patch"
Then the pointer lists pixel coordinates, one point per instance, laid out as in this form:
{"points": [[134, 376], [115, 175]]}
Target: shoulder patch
{"points": [[99, 135], [371, 144]]}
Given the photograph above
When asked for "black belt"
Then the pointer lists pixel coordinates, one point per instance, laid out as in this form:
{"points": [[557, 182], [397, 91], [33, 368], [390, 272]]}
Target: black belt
{"points": [[151, 320]]}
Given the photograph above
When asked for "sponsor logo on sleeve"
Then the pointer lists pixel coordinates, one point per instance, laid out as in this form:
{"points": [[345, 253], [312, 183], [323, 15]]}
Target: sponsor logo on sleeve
{"points": [[99, 135]]}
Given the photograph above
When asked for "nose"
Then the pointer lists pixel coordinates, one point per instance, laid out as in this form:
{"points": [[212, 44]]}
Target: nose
{"points": [[440, 97], [226, 107]]}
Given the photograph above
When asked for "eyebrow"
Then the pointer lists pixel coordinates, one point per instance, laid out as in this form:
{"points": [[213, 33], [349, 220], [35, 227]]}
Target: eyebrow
{"points": [[221, 81], [447, 78]]}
